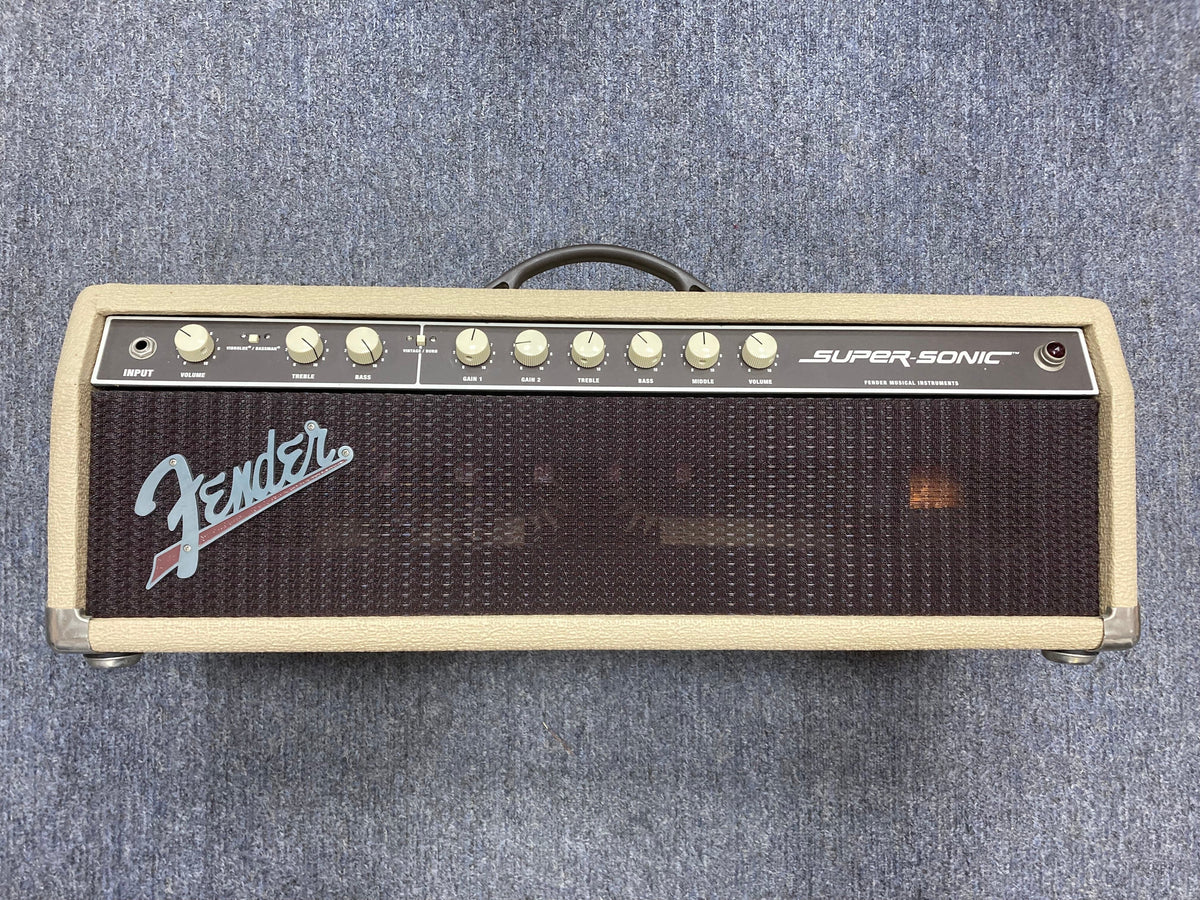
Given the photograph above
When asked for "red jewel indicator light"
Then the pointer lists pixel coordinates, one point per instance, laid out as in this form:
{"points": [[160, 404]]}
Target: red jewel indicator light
{"points": [[1051, 356]]}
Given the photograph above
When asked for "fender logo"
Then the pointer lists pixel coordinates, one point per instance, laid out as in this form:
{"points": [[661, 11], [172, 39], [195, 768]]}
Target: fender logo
{"points": [[254, 486]]}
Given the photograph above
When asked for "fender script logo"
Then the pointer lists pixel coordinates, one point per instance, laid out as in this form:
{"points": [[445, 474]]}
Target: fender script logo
{"points": [[255, 485]]}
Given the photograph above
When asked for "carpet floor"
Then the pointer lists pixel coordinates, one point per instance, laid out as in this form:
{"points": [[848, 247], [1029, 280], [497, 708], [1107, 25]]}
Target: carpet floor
{"points": [[1038, 149]]}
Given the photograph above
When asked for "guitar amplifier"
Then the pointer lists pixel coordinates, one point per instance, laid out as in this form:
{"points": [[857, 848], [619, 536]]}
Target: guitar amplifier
{"points": [[266, 468]]}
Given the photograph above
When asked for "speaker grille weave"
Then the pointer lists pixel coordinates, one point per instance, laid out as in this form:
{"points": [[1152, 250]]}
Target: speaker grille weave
{"points": [[460, 503]]}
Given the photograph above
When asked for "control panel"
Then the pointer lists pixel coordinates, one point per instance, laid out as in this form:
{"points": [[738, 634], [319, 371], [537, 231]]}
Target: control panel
{"points": [[165, 351]]}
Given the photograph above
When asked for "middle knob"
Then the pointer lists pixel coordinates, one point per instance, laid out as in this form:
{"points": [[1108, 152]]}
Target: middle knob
{"points": [[645, 350], [702, 349]]}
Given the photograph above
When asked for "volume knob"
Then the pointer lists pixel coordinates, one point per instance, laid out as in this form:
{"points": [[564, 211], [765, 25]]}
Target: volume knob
{"points": [[472, 347], [364, 345], [304, 344], [194, 342], [760, 350], [702, 349]]}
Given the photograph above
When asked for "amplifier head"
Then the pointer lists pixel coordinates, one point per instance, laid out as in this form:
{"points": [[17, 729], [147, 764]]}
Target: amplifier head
{"points": [[238, 468]]}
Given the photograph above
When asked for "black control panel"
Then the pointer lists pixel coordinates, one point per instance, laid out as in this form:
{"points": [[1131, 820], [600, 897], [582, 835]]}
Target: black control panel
{"points": [[279, 353]]}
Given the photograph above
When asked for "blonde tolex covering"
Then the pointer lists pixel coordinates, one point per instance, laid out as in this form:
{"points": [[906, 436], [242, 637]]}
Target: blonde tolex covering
{"points": [[69, 442]]}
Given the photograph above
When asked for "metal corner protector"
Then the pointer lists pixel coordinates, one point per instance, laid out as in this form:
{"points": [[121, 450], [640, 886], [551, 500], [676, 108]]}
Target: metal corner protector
{"points": [[1122, 628], [67, 630]]}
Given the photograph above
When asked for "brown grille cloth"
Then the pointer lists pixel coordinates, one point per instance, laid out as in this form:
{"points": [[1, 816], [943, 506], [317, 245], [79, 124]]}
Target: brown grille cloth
{"points": [[555, 503]]}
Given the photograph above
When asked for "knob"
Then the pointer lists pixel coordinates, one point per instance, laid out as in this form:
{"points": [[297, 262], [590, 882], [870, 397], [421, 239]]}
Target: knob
{"points": [[364, 345], [530, 347], [702, 349], [194, 343], [472, 347], [645, 350], [304, 344], [588, 349], [760, 350]]}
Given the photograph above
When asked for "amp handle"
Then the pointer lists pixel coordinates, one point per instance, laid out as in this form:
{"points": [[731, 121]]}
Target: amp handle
{"points": [[603, 253]]}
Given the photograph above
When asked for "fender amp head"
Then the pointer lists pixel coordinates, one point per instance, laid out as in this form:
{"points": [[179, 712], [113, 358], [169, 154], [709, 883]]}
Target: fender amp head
{"points": [[258, 468]]}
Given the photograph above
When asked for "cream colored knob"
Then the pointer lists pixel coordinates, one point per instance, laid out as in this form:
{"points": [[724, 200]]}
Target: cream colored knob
{"points": [[760, 350], [645, 350], [588, 349], [472, 347], [531, 348], [702, 349], [304, 344], [194, 343], [364, 345]]}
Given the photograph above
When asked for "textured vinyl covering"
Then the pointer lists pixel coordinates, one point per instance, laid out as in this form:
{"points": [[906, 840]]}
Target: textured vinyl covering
{"points": [[553, 503]]}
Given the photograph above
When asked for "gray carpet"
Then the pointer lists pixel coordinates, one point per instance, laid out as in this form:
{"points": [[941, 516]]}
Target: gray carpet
{"points": [[1046, 148]]}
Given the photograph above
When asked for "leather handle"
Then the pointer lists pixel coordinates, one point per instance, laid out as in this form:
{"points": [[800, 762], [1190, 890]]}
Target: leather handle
{"points": [[605, 253]]}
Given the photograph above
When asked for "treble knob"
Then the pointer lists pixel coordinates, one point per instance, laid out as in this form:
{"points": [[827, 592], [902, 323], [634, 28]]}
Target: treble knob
{"points": [[304, 344], [588, 349]]}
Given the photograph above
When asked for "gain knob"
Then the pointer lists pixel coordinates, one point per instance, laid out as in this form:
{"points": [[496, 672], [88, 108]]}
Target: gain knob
{"points": [[702, 349], [760, 350], [588, 349], [194, 342], [304, 344], [645, 350], [531, 348], [472, 347], [364, 345]]}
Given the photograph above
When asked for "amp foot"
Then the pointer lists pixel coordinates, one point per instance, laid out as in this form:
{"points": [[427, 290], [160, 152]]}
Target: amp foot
{"points": [[1071, 657], [112, 660]]}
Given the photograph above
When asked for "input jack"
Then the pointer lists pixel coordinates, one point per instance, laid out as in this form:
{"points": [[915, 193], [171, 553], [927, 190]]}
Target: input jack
{"points": [[143, 347]]}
